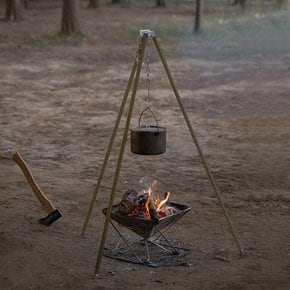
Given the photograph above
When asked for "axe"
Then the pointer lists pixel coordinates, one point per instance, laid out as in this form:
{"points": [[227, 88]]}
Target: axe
{"points": [[53, 213]]}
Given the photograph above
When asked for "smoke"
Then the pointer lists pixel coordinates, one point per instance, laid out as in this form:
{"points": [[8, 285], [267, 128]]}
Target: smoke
{"points": [[250, 34]]}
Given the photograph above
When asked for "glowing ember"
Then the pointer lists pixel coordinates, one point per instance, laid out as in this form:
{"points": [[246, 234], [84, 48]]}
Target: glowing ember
{"points": [[147, 204]]}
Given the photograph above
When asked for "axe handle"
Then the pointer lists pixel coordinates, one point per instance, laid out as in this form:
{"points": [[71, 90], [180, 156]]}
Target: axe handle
{"points": [[47, 205]]}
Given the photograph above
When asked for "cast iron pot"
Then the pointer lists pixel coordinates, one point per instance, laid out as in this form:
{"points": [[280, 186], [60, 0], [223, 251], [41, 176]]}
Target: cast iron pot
{"points": [[148, 140]]}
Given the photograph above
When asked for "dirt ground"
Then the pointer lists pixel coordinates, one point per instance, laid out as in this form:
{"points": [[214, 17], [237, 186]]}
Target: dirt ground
{"points": [[58, 103]]}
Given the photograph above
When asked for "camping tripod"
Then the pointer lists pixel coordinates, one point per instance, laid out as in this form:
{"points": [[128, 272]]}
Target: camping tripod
{"points": [[133, 84]]}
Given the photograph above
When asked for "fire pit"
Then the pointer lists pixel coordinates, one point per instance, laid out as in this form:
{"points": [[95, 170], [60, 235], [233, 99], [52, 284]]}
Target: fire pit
{"points": [[149, 217], [147, 228]]}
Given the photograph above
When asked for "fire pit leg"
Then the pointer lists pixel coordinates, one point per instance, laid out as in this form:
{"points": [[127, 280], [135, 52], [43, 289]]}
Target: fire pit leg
{"points": [[147, 252], [163, 236], [161, 247], [126, 242]]}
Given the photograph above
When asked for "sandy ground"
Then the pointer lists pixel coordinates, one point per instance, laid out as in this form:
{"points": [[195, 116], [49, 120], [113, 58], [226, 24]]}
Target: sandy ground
{"points": [[58, 104]]}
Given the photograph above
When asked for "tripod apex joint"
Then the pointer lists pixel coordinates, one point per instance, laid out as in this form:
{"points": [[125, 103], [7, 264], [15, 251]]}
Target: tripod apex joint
{"points": [[150, 33]]}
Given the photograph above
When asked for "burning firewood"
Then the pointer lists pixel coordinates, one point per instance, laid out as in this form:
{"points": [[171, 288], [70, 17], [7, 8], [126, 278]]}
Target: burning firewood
{"points": [[128, 201], [145, 205], [153, 214]]}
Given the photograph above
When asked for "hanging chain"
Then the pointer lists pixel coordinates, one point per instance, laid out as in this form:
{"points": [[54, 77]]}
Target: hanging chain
{"points": [[148, 80], [148, 56]]}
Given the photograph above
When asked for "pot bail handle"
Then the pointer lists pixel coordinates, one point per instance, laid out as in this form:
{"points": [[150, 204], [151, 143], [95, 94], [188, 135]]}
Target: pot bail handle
{"points": [[148, 109]]}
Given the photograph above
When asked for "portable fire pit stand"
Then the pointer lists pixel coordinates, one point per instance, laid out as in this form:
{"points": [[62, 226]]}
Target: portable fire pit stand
{"points": [[154, 249], [133, 84]]}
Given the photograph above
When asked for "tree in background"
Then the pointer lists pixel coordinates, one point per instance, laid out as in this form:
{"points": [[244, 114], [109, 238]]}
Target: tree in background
{"points": [[283, 4], [241, 2], [116, 1], [160, 3], [198, 15], [70, 17], [26, 3], [12, 10], [93, 4]]}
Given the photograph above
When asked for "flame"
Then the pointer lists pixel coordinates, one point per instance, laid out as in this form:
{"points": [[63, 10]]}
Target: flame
{"points": [[153, 200], [147, 204], [163, 202]]}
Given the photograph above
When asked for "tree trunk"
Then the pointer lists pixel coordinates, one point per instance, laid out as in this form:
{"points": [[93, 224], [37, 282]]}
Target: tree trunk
{"points": [[116, 1], [12, 10], [26, 3], [198, 15], [160, 3], [70, 17], [283, 4], [93, 4], [242, 3]]}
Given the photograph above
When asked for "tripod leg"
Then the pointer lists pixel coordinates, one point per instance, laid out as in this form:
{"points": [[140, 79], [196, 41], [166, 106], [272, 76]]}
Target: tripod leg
{"points": [[212, 181], [141, 52], [109, 149]]}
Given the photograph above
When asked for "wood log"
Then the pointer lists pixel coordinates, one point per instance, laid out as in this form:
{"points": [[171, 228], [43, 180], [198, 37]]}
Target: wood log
{"points": [[153, 214], [128, 201]]}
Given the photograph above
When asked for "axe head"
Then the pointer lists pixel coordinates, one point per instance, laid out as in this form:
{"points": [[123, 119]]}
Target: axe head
{"points": [[51, 218]]}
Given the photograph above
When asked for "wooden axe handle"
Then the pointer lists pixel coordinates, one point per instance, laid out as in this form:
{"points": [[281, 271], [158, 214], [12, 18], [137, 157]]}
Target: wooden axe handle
{"points": [[47, 205]]}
